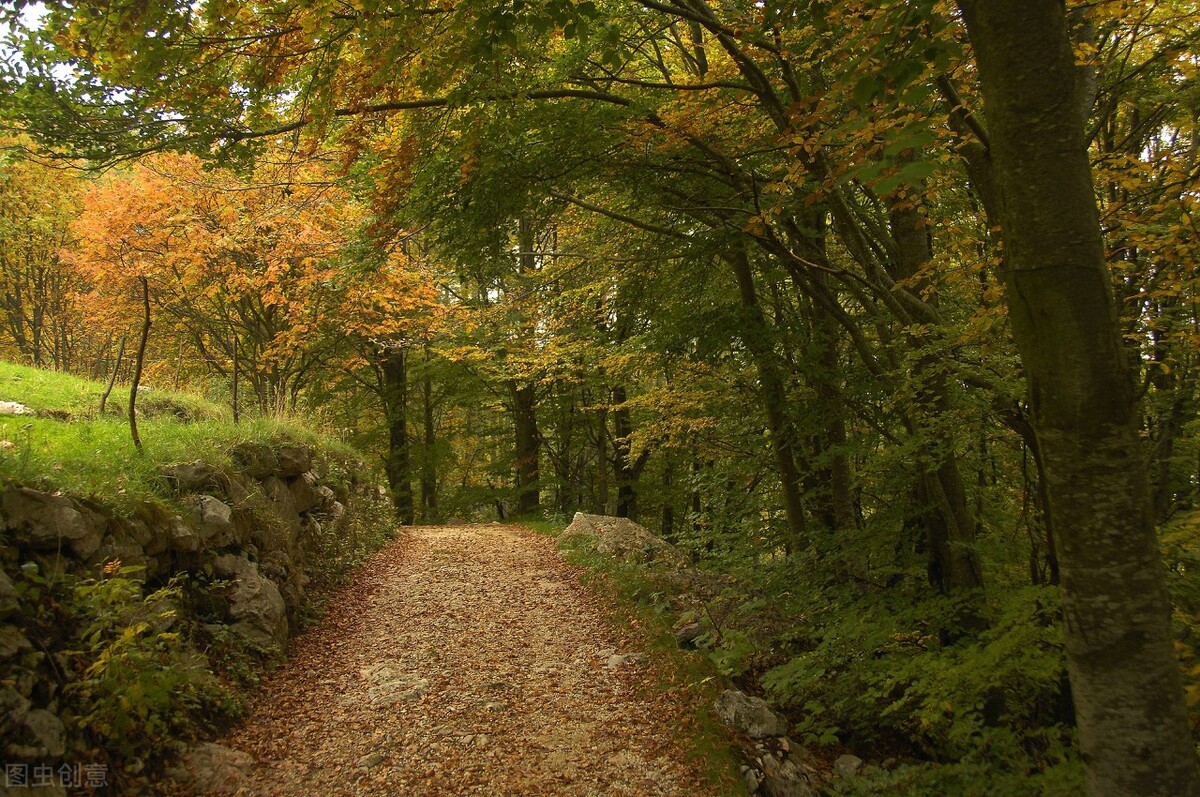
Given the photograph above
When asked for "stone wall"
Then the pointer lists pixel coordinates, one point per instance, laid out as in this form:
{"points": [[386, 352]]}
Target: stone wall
{"points": [[251, 531]]}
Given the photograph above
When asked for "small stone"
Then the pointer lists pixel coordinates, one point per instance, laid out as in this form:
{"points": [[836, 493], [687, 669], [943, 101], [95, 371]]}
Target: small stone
{"points": [[48, 732], [15, 408], [622, 659], [687, 635], [181, 537], [12, 642], [8, 592], [786, 778], [751, 778], [214, 521], [371, 760], [847, 766]]}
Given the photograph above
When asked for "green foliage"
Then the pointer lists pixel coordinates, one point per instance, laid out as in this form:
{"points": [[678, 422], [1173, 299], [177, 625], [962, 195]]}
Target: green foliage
{"points": [[134, 685], [141, 687]]}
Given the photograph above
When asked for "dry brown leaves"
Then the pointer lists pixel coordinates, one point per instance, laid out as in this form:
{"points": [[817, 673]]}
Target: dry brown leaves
{"points": [[487, 660]]}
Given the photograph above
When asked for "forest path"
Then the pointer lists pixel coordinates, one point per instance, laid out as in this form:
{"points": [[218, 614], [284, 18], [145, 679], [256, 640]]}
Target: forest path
{"points": [[464, 660]]}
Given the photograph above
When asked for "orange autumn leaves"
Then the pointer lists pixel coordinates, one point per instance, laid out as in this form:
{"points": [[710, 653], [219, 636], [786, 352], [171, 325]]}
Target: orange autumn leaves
{"points": [[268, 257]]}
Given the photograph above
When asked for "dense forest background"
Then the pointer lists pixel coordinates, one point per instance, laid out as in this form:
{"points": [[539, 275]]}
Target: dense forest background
{"points": [[733, 270]]}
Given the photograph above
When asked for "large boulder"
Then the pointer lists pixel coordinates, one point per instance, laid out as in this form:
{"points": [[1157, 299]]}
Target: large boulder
{"points": [[619, 538], [749, 715], [256, 609], [48, 522]]}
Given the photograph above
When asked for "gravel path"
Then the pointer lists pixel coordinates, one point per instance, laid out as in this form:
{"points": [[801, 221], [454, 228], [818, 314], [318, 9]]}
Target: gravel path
{"points": [[464, 660]]}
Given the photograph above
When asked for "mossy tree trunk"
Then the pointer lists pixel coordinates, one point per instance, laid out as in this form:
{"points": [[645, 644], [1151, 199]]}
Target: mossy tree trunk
{"points": [[1133, 728]]}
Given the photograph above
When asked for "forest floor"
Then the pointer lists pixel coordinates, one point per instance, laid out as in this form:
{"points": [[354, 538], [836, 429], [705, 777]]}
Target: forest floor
{"points": [[465, 660]]}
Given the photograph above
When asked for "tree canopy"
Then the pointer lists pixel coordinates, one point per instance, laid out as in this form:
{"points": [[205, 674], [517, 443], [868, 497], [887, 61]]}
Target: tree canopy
{"points": [[888, 306]]}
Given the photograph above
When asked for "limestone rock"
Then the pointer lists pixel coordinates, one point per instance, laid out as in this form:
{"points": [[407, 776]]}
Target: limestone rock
{"points": [[13, 709], [193, 477], [12, 642], [47, 522], [8, 595], [15, 408], [181, 537], [256, 608], [619, 538], [749, 715], [214, 522], [304, 492], [687, 634], [280, 496], [129, 554], [255, 460], [294, 460], [847, 766], [44, 734], [786, 777]]}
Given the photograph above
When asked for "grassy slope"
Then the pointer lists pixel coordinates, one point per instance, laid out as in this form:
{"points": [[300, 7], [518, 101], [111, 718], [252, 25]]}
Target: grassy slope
{"points": [[91, 456]]}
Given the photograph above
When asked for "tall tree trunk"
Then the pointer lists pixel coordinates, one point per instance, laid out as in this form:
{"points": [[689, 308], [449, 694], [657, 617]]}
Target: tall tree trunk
{"points": [[1133, 728], [429, 495], [395, 400], [953, 565], [112, 379], [138, 362], [528, 446], [756, 336]]}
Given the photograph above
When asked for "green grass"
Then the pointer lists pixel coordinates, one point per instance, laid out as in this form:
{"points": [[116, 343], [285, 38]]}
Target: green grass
{"points": [[639, 599], [92, 457], [64, 394]]}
